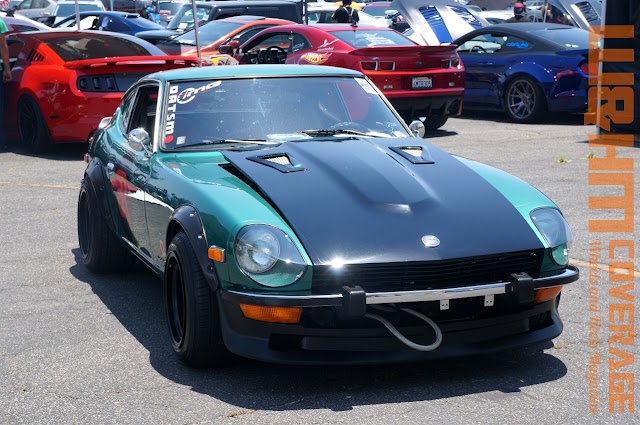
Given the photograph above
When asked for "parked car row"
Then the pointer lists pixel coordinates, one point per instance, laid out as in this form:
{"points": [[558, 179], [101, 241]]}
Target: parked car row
{"points": [[521, 69]]}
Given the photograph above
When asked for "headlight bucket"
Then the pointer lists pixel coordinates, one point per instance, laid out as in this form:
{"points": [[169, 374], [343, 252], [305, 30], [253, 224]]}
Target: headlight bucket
{"points": [[555, 230], [268, 256]]}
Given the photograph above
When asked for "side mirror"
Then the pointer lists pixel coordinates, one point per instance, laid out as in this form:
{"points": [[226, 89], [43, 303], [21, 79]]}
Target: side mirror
{"points": [[138, 139], [104, 122], [229, 48], [417, 128], [50, 21]]}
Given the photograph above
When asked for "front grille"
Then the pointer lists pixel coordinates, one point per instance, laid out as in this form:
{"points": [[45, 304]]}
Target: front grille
{"points": [[428, 274]]}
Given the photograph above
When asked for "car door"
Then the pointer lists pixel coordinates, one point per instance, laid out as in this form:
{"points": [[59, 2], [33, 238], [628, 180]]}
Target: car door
{"points": [[483, 69], [487, 58], [128, 166]]}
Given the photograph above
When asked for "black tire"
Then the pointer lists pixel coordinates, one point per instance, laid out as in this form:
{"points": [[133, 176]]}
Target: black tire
{"points": [[523, 100], [192, 309], [101, 250], [34, 134], [434, 123]]}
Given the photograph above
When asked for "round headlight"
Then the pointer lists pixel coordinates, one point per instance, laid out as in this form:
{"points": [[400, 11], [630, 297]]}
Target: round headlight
{"points": [[268, 255], [555, 230], [257, 250]]}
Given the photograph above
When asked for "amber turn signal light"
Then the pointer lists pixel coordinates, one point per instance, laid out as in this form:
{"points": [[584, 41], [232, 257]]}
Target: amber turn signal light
{"points": [[271, 314], [216, 254], [547, 294]]}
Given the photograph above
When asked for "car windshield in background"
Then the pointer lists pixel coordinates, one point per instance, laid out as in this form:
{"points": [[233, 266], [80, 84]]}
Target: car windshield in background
{"points": [[183, 19], [373, 38], [72, 48], [170, 6], [68, 9], [571, 38], [209, 33], [222, 114]]}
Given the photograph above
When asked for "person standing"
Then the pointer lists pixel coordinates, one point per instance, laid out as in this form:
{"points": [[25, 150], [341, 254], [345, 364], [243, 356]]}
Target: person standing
{"points": [[518, 14], [6, 77], [346, 14]]}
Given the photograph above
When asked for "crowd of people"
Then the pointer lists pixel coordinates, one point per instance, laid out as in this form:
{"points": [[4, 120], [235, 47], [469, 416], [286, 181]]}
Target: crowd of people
{"points": [[550, 14]]}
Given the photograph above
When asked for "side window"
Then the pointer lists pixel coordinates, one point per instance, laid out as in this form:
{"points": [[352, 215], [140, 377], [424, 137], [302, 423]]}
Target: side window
{"points": [[242, 38], [25, 5], [281, 40], [23, 28], [126, 110], [514, 44], [483, 43], [300, 42], [143, 112]]}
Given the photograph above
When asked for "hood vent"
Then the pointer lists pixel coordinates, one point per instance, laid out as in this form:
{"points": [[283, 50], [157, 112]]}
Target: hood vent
{"points": [[280, 161], [415, 154]]}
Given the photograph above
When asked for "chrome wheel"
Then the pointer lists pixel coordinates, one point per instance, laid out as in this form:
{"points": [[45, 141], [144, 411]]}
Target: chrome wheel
{"points": [[523, 100]]}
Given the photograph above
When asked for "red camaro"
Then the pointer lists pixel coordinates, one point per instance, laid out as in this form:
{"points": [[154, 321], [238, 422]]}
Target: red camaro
{"points": [[419, 81], [64, 83]]}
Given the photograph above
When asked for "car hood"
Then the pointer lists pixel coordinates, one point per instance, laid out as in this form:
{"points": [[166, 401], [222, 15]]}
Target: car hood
{"points": [[438, 21], [361, 200]]}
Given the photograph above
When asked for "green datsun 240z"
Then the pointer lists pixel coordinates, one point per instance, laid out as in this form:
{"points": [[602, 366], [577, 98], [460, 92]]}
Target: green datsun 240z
{"points": [[295, 218]]}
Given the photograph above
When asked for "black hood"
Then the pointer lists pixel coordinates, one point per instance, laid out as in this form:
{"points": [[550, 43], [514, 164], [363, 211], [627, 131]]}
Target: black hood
{"points": [[367, 201]]}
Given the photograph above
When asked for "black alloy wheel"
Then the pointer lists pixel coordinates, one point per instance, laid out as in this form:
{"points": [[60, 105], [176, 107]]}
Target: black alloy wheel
{"points": [[34, 135]]}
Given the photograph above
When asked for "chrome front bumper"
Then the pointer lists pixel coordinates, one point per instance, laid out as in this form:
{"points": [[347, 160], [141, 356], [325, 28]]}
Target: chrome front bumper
{"points": [[355, 298]]}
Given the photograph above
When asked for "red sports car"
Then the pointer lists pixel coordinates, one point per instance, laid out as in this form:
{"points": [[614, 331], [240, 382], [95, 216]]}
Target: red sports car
{"points": [[419, 81], [64, 83]]}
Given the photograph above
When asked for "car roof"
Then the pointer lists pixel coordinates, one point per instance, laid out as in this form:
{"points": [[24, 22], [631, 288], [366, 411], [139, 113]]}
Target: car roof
{"points": [[258, 71], [61, 33], [527, 26]]}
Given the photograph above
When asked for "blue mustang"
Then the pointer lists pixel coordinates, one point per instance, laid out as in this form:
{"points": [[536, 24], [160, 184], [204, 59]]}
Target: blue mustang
{"points": [[121, 22], [525, 69]]}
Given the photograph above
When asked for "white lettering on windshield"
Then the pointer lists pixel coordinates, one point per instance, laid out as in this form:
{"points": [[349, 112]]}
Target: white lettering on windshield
{"points": [[188, 94]]}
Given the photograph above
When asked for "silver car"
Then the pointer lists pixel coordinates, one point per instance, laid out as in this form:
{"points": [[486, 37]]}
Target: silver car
{"points": [[36, 9]]}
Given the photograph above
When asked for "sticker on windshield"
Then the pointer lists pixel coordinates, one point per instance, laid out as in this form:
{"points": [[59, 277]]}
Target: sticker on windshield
{"points": [[188, 94], [171, 114], [366, 85], [378, 40]]}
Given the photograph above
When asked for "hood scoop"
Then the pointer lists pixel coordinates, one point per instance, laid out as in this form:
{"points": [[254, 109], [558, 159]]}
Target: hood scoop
{"points": [[414, 154], [280, 161]]}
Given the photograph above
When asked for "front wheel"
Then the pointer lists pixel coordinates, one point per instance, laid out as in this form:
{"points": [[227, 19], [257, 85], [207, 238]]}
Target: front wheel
{"points": [[192, 309], [523, 100]]}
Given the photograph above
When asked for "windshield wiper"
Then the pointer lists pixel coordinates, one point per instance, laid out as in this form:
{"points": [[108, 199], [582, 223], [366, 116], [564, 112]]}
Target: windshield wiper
{"points": [[314, 133]]}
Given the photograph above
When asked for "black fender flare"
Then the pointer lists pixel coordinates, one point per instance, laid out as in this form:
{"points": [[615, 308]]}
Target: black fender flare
{"points": [[96, 178], [188, 218]]}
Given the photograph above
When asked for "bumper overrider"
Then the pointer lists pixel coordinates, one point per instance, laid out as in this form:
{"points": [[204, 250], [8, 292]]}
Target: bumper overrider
{"points": [[336, 328]]}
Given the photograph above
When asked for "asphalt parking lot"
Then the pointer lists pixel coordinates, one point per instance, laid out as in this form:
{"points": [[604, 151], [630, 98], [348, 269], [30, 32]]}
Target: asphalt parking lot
{"points": [[82, 348]]}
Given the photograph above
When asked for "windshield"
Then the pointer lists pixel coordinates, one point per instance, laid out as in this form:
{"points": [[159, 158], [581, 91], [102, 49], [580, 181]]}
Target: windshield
{"points": [[209, 33], [79, 47], [373, 38], [183, 19], [68, 9], [218, 114], [170, 6]]}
